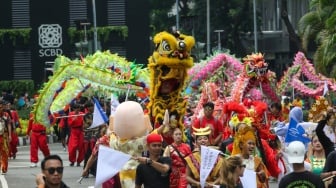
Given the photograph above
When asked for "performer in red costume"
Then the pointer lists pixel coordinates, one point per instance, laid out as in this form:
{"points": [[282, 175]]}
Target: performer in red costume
{"points": [[214, 124], [38, 139], [177, 151], [76, 140], [275, 113], [5, 137], [15, 123]]}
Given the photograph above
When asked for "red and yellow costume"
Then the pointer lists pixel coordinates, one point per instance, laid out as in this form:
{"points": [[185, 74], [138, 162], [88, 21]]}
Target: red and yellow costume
{"points": [[4, 150], [252, 162], [15, 139], [76, 139], [38, 139], [178, 174], [275, 117], [285, 111], [194, 159], [194, 163], [214, 124]]}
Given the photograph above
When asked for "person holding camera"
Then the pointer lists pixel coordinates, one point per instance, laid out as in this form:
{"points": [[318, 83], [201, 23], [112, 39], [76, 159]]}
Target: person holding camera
{"points": [[52, 173]]}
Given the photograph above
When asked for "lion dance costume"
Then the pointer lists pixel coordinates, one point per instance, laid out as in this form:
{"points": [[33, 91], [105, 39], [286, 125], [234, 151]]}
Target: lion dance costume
{"points": [[168, 67]]}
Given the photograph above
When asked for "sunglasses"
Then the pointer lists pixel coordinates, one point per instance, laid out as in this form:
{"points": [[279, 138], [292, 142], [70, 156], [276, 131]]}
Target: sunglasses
{"points": [[242, 166], [52, 170]]}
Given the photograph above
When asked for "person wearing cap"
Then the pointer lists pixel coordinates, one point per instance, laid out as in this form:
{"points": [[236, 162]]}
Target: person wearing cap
{"points": [[202, 136], [155, 170], [300, 177]]}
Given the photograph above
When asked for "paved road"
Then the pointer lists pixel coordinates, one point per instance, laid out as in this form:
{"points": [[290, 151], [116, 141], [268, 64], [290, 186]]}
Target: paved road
{"points": [[20, 175]]}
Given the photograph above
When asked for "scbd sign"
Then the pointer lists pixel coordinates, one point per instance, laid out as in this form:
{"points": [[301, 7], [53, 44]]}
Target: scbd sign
{"points": [[50, 40], [50, 52]]}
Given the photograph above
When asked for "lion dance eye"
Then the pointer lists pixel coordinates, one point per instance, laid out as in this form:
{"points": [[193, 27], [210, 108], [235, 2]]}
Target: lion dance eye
{"points": [[165, 46], [181, 45]]}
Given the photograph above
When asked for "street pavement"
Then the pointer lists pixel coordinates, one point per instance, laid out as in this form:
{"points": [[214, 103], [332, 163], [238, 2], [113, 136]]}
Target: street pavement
{"points": [[20, 175]]}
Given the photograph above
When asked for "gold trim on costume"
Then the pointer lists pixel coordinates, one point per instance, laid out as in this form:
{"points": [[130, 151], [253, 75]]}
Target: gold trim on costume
{"points": [[202, 131]]}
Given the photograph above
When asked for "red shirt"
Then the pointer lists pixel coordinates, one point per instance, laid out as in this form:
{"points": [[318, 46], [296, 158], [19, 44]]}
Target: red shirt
{"points": [[76, 119], [274, 117], [32, 126], [15, 118], [62, 122], [215, 126]]}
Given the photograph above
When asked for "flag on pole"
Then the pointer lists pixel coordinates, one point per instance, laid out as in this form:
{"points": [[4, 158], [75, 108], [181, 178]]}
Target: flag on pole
{"points": [[114, 104], [99, 116], [109, 163], [296, 132], [208, 160], [325, 88]]}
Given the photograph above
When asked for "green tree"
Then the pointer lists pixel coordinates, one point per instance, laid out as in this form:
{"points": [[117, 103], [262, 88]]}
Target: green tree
{"points": [[160, 20], [318, 25], [234, 17]]}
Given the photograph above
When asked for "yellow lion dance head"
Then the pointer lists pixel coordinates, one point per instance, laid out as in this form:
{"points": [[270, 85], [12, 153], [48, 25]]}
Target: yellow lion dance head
{"points": [[168, 67]]}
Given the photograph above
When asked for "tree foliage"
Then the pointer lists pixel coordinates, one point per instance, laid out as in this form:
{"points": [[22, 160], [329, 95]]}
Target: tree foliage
{"points": [[318, 25], [234, 17]]}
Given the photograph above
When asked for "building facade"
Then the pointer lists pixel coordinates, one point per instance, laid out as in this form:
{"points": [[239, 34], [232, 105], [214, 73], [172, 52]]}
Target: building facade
{"points": [[273, 40], [33, 33]]}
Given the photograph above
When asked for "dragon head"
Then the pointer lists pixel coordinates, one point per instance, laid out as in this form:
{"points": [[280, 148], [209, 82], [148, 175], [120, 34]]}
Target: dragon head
{"points": [[255, 65]]}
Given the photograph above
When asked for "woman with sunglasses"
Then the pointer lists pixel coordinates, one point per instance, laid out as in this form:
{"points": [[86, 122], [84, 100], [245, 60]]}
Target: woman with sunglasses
{"points": [[231, 170], [52, 173]]}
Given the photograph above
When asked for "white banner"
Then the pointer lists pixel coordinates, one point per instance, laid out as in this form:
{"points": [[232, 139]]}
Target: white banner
{"points": [[208, 160], [109, 163], [249, 180]]}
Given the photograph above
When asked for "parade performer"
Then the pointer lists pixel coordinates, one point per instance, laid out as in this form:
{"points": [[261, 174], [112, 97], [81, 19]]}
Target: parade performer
{"points": [[177, 151], [15, 123], [194, 160], [244, 146], [76, 139], [209, 120], [90, 136], [104, 140], [5, 137], [131, 126], [38, 139], [168, 67]]}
